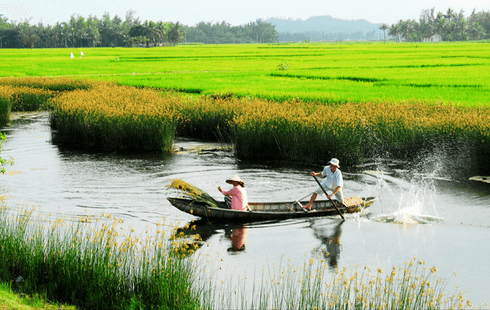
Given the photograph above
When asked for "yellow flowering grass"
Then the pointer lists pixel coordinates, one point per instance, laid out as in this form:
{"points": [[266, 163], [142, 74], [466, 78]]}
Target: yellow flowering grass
{"points": [[313, 286], [116, 118], [58, 84], [21, 98], [94, 262], [193, 192], [119, 118], [353, 131], [5, 104]]}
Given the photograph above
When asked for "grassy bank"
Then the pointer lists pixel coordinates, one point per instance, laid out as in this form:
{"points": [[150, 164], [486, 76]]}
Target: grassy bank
{"points": [[9, 300], [93, 263]]}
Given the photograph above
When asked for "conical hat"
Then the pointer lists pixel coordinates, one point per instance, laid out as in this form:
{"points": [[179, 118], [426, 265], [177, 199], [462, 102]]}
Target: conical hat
{"points": [[234, 178]]}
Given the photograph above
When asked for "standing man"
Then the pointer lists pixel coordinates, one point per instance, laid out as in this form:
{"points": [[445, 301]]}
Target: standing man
{"points": [[333, 181]]}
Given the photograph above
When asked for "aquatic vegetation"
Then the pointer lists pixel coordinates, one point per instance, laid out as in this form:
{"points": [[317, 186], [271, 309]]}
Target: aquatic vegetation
{"points": [[54, 84], [120, 118], [313, 286], [5, 104], [354, 131], [30, 99], [22, 98], [115, 118], [94, 262]]}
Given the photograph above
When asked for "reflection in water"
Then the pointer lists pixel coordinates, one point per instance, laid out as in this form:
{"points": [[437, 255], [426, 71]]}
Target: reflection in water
{"points": [[238, 237], [329, 235], [202, 230]]}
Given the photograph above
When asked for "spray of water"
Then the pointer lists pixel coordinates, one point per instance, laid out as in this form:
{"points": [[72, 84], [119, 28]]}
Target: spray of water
{"points": [[405, 196]]}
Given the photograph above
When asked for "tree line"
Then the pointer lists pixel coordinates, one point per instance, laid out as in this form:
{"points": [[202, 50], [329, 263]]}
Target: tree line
{"points": [[253, 32], [130, 31], [450, 25]]}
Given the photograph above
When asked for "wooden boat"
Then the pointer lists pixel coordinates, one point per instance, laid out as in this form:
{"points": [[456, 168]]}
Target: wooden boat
{"points": [[269, 211]]}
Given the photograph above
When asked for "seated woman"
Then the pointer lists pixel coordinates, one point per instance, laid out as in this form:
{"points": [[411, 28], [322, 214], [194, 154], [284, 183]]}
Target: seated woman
{"points": [[239, 200]]}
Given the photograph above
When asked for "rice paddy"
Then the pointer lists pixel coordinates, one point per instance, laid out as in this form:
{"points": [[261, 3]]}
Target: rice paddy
{"points": [[330, 73]]}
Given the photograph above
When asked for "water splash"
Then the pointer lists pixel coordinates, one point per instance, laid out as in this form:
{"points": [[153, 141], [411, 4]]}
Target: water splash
{"points": [[405, 200], [409, 216]]}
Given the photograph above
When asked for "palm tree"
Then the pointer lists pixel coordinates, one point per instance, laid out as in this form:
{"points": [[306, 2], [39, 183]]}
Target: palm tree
{"points": [[176, 33], [384, 27], [476, 31], [162, 30], [394, 31], [440, 24], [93, 34]]}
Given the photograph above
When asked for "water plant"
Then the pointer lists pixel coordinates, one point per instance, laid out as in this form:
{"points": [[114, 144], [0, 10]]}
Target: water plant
{"points": [[311, 286], [115, 118], [5, 104], [93, 262], [111, 117]]}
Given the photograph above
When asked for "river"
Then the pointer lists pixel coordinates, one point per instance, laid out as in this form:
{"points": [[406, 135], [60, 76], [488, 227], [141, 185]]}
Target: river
{"points": [[442, 220]]}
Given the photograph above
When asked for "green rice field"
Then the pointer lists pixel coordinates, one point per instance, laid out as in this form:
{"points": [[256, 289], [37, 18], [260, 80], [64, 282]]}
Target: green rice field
{"points": [[331, 73]]}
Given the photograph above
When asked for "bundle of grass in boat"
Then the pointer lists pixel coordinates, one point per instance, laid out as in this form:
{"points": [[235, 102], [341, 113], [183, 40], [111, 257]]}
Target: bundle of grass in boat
{"points": [[194, 192]]}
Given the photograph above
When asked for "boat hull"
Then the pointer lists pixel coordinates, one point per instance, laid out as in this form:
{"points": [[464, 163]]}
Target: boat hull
{"points": [[268, 211]]}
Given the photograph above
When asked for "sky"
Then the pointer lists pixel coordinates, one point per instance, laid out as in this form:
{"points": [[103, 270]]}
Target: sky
{"points": [[234, 12]]}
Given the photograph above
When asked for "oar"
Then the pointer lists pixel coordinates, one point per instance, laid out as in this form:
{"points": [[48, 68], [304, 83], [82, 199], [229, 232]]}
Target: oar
{"points": [[333, 203]]}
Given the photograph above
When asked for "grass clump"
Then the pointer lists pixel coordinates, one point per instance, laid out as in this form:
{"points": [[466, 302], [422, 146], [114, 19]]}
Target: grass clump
{"points": [[30, 99], [412, 286], [93, 263], [55, 84], [115, 118], [5, 104]]}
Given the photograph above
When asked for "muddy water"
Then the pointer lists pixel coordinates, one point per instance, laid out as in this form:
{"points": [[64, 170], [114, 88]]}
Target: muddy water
{"points": [[440, 219]]}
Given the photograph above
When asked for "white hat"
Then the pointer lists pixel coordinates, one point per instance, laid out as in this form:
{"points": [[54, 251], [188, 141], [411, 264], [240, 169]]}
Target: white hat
{"points": [[334, 162], [234, 178]]}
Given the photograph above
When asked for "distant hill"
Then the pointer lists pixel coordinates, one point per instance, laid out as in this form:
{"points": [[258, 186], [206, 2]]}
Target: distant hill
{"points": [[321, 23], [314, 26]]}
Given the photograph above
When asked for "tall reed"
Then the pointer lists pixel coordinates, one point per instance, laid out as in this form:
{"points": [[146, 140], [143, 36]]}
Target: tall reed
{"points": [[312, 286], [31, 99], [354, 131], [57, 84], [5, 104], [94, 263], [116, 118], [22, 98], [207, 118]]}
